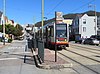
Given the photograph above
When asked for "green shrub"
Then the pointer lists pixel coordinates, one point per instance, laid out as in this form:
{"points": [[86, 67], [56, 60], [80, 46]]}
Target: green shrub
{"points": [[0, 40], [9, 40]]}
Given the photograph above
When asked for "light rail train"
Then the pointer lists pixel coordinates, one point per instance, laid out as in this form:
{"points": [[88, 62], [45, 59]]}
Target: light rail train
{"points": [[56, 35]]}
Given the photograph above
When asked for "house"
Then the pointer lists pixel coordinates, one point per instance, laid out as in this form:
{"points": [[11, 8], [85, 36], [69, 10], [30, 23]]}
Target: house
{"points": [[68, 21], [6, 19], [84, 26], [1, 18], [11, 22], [98, 25]]}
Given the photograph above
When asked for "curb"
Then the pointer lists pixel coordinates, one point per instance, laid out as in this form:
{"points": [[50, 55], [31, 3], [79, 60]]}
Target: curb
{"points": [[1, 46], [57, 66]]}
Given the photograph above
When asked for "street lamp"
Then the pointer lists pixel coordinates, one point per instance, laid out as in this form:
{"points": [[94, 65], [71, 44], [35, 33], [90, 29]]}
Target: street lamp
{"points": [[4, 20]]}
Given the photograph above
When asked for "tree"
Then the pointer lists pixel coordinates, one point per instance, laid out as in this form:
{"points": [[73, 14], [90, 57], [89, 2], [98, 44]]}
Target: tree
{"points": [[19, 27], [10, 29], [0, 28], [18, 30]]}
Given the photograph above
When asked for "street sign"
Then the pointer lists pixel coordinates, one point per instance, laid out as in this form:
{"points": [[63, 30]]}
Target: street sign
{"points": [[59, 16]]}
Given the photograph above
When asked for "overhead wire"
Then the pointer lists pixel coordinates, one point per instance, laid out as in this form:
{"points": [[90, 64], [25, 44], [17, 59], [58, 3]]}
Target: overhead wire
{"points": [[55, 7], [71, 10], [59, 3], [82, 6]]}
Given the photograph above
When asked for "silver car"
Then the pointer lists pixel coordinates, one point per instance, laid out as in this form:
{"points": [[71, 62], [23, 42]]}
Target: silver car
{"points": [[91, 41]]}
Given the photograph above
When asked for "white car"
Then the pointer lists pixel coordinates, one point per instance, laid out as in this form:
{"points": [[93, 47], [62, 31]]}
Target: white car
{"points": [[6, 40]]}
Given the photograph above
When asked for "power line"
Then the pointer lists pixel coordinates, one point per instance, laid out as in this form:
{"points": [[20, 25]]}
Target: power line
{"points": [[71, 10], [59, 3], [55, 7], [82, 6]]}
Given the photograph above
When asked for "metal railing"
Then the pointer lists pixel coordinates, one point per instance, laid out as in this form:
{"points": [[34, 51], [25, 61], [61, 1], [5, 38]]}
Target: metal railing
{"points": [[33, 44]]}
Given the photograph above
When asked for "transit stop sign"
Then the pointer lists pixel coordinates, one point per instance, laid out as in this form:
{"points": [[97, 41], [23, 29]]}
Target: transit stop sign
{"points": [[59, 17]]}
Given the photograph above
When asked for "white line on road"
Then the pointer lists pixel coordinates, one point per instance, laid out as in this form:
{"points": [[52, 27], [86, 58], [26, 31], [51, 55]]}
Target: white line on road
{"points": [[7, 59]]}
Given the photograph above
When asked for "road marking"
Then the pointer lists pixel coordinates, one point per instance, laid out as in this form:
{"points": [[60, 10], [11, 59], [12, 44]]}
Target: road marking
{"points": [[22, 52], [8, 59], [16, 47]]}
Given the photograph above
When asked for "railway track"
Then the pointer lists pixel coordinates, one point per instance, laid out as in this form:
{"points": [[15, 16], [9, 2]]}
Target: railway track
{"points": [[95, 61], [87, 47], [91, 49], [83, 55]]}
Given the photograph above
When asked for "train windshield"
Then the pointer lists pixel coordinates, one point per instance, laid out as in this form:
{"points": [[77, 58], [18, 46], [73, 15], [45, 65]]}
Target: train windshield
{"points": [[61, 30]]}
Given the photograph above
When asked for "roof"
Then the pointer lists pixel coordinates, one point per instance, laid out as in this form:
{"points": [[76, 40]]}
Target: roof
{"points": [[0, 13]]}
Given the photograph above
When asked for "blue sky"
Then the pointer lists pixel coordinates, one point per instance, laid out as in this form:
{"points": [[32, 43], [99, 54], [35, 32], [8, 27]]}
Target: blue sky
{"points": [[29, 11]]}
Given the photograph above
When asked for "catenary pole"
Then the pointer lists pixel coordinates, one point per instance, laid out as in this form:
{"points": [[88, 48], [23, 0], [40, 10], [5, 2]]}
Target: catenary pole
{"points": [[42, 16], [55, 39], [95, 20], [4, 19]]}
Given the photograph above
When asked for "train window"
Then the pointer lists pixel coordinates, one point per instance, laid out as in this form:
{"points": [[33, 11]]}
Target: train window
{"points": [[51, 31], [61, 30], [48, 32]]}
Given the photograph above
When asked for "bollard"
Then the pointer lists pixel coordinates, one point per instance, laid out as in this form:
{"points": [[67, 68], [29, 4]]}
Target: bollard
{"points": [[29, 43], [41, 49], [25, 54], [35, 44]]}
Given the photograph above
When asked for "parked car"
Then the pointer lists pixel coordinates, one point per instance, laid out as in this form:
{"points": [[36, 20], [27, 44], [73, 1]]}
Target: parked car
{"points": [[96, 37], [91, 41], [6, 40], [78, 38]]}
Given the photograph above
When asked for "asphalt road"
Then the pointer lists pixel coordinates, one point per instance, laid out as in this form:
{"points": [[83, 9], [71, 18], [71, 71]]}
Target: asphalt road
{"points": [[12, 61]]}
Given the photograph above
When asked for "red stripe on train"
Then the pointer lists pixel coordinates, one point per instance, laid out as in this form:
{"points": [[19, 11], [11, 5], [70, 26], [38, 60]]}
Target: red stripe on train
{"points": [[59, 43]]}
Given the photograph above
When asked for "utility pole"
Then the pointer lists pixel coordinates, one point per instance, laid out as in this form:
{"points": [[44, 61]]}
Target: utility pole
{"points": [[95, 20], [42, 16], [4, 20], [55, 37], [34, 27]]}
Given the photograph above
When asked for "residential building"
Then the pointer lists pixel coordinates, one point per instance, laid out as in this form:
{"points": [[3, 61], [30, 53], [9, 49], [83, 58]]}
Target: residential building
{"points": [[6, 19], [68, 21], [84, 26], [1, 18], [11, 22], [98, 25]]}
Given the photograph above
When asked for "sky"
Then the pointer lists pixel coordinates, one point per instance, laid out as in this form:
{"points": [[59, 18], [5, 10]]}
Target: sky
{"points": [[29, 11]]}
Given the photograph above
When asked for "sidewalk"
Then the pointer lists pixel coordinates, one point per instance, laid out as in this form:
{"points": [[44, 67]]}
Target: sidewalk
{"points": [[49, 60], [1, 44]]}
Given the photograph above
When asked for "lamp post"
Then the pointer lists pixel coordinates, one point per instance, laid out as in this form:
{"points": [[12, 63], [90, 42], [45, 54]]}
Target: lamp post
{"points": [[4, 20]]}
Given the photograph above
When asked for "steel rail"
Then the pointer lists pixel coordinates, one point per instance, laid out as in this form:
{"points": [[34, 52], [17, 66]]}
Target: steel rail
{"points": [[79, 63]]}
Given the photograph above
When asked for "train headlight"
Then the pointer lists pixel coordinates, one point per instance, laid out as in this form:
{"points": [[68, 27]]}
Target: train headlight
{"points": [[57, 39], [65, 39]]}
